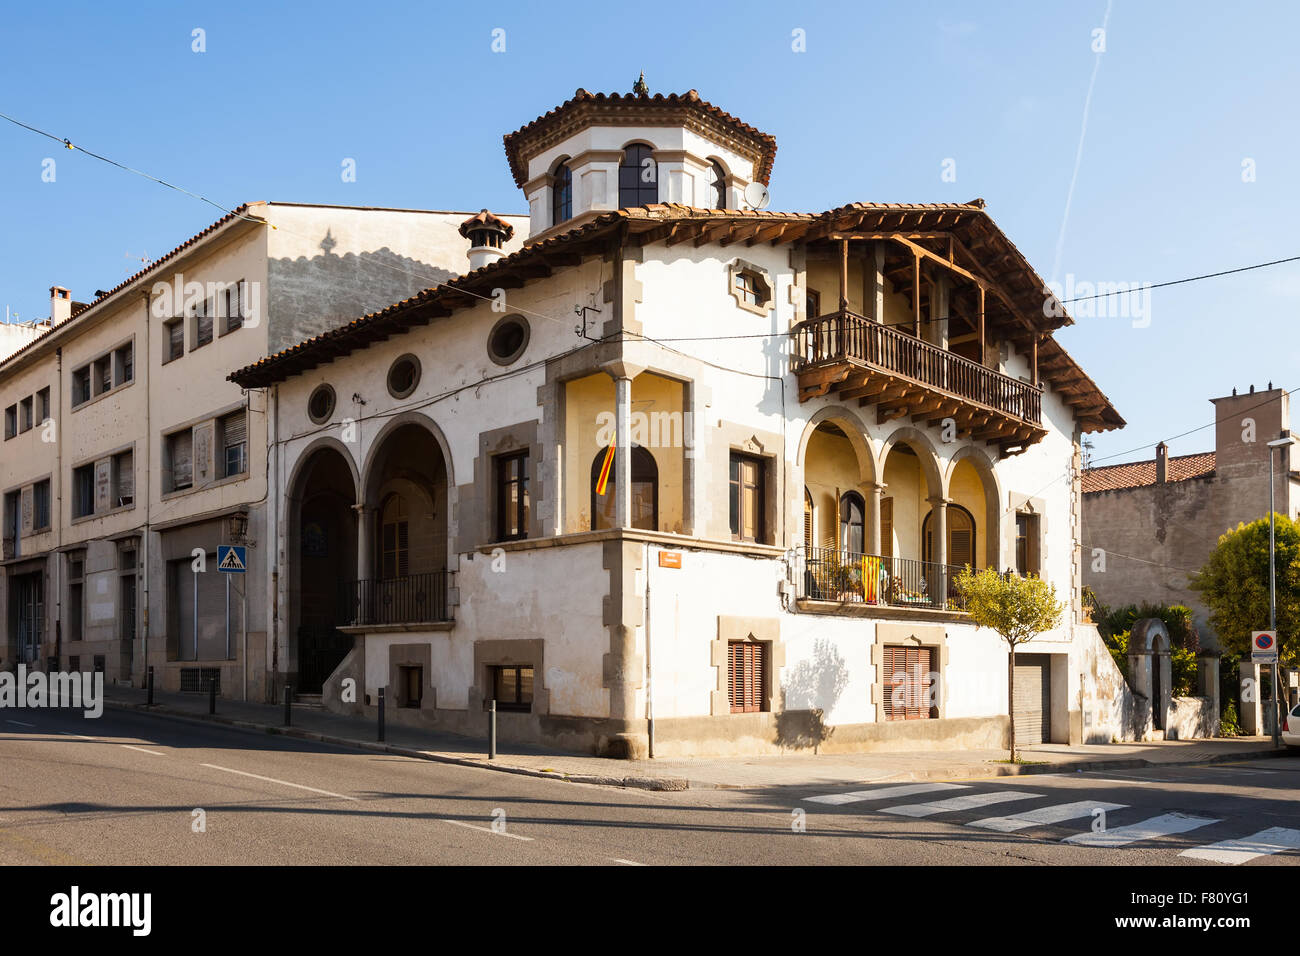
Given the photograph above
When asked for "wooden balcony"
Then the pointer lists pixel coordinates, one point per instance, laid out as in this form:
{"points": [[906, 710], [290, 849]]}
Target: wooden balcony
{"points": [[856, 357]]}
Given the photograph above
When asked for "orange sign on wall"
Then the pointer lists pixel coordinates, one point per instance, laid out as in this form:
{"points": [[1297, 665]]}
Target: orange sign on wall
{"points": [[670, 559]]}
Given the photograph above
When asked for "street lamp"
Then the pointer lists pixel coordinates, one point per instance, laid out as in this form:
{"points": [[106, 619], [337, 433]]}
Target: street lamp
{"points": [[1285, 441]]}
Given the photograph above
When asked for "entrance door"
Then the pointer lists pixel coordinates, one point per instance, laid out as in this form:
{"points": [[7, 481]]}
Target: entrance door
{"points": [[30, 597], [1033, 699]]}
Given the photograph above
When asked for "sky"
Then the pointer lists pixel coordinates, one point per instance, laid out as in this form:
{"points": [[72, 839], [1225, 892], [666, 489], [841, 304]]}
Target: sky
{"points": [[1188, 162]]}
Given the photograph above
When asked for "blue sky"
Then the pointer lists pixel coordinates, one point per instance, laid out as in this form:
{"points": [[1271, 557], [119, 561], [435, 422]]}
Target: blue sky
{"points": [[883, 95]]}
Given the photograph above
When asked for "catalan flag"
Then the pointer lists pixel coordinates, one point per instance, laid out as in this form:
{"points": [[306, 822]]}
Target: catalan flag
{"points": [[603, 480]]}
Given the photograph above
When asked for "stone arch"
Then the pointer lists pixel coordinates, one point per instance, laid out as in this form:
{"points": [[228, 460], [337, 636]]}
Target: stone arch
{"points": [[304, 458], [365, 489], [856, 432], [1151, 670], [992, 517], [925, 453]]}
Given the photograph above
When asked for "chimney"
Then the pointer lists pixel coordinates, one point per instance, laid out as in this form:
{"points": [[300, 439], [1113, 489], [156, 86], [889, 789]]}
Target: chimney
{"points": [[1162, 463], [487, 235], [60, 304]]}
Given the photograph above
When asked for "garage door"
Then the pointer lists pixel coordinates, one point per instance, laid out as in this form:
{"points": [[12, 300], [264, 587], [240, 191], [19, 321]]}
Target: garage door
{"points": [[1033, 702]]}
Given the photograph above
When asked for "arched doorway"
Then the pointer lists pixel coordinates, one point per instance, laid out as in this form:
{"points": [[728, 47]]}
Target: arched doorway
{"points": [[323, 542], [405, 578]]}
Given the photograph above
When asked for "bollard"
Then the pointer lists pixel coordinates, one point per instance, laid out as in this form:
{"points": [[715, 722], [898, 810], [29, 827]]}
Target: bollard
{"points": [[212, 696], [381, 714], [492, 729], [149, 701], [288, 701]]}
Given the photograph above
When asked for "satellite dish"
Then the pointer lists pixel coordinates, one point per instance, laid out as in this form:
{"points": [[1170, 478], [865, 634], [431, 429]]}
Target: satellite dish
{"points": [[757, 196]]}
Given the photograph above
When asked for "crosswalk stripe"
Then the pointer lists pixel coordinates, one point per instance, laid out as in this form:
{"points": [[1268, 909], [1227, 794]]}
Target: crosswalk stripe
{"points": [[883, 793], [968, 802], [1166, 824], [1044, 816], [1235, 852]]}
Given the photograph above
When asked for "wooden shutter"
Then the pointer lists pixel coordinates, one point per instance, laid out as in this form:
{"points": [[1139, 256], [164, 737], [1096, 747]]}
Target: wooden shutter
{"points": [[905, 684], [234, 429], [807, 523], [125, 477], [745, 676], [182, 457], [887, 527]]}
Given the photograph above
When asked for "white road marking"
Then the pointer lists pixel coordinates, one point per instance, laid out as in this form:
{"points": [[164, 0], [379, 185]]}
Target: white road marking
{"points": [[627, 862], [471, 826], [156, 753], [71, 734], [953, 804], [285, 783], [1044, 815], [883, 793], [19, 723], [1235, 852], [1166, 824]]}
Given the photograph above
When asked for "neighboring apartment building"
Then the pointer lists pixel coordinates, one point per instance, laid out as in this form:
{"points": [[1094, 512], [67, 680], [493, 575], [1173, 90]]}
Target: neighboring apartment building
{"points": [[128, 458], [1148, 524], [827, 415]]}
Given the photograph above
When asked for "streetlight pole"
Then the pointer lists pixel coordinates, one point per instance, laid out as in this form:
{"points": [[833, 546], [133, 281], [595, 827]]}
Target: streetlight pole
{"points": [[1284, 441]]}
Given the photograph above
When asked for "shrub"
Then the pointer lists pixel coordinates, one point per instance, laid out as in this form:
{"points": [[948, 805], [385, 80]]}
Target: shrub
{"points": [[1229, 725], [1182, 667]]}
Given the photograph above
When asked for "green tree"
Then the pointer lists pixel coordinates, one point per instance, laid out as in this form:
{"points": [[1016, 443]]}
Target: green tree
{"points": [[1016, 608], [1234, 586]]}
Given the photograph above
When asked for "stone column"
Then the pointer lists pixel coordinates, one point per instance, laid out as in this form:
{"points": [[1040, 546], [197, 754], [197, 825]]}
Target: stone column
{"points": [[365, 541], [623, 452], [937, 576], [875, 491]]}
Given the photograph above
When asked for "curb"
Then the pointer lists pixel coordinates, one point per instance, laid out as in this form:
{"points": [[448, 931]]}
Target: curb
{"points": [[678, 783], [639, 783]]}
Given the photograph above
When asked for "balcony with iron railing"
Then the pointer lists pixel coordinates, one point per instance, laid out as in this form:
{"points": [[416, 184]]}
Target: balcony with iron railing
{"points": [[413, 599], [902, 374], [850, 577]]}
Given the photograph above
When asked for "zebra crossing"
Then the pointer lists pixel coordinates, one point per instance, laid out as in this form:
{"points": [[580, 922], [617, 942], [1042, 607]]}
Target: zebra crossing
{"points": [[1153, 826]]}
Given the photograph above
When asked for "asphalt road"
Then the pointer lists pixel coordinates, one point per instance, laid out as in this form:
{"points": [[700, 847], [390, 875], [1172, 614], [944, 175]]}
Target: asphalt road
{"points": [[124, 789]]}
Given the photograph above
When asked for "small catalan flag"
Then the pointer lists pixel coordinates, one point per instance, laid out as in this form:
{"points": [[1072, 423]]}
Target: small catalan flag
{"points": [[603, 480]]}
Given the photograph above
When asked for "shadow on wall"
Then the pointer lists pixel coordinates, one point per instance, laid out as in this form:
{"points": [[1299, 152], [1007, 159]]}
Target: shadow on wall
{"points": [[324, 292], [810, 691]]}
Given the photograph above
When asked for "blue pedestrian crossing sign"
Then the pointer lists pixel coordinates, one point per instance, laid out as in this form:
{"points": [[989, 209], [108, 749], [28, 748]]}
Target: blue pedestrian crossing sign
{"points": [[233, 559]]}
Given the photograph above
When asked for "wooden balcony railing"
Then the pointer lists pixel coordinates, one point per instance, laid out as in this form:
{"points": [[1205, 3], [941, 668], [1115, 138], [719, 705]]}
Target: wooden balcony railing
{"points": [[846, 336], [414, 599]]}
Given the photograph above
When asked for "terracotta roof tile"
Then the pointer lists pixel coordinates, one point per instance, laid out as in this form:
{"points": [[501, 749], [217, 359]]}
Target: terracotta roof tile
{"points": [[1137, 474]]}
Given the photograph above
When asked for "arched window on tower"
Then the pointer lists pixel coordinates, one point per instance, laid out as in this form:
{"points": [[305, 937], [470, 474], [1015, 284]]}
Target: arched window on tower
{"points": [[561, 194], [638, 176], [718, 182], [645, 492]]}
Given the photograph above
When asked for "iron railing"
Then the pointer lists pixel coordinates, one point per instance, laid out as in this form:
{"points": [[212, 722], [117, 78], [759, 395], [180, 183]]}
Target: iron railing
{"points": [[832, 574], [843, 336], [414, 599]]}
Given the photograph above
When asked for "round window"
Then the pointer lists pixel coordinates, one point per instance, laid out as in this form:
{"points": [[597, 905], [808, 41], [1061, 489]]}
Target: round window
{"points": [[403, 376], [508, 339], [321, 404]]}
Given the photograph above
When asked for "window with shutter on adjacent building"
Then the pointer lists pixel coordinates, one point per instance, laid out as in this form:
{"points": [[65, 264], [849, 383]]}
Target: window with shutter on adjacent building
{"points": [[746, 676], [43, 404], [232, 432], [173, 340], [180, 460], [41, 505], [202, 323], [234, 306], [123, 480], [83, 491], [906, 684], [395, 541], [81, 385]]}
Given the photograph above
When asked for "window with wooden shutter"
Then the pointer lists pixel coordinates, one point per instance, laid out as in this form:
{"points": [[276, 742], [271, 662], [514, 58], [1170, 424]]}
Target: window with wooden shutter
{"points": [[123, 479], [746, 668], [234, 443], [887, 527], [807, 522], [180, 458], [905, 683], [202, 323], [175, 341], [395, 539], [747, 498]]}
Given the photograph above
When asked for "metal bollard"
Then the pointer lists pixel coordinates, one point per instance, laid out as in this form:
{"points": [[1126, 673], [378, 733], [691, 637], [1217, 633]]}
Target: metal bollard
{"points": [[492, 729], [381, 714], [149, 701], [288, 703], [212, 696]]}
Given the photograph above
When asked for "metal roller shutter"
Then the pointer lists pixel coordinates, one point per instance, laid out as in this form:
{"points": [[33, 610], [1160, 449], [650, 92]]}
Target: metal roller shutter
{"points": [[1033, 699]]}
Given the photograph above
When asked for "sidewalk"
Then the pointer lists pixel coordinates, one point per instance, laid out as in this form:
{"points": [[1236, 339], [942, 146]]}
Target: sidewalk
{"points": [[746, 772]]}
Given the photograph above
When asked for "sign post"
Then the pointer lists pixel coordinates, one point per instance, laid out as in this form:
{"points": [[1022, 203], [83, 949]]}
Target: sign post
{"points": [[233, 559]]}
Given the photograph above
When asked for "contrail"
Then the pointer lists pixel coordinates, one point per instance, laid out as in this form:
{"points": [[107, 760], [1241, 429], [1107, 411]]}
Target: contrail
{"points": [[1078, 153]]}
